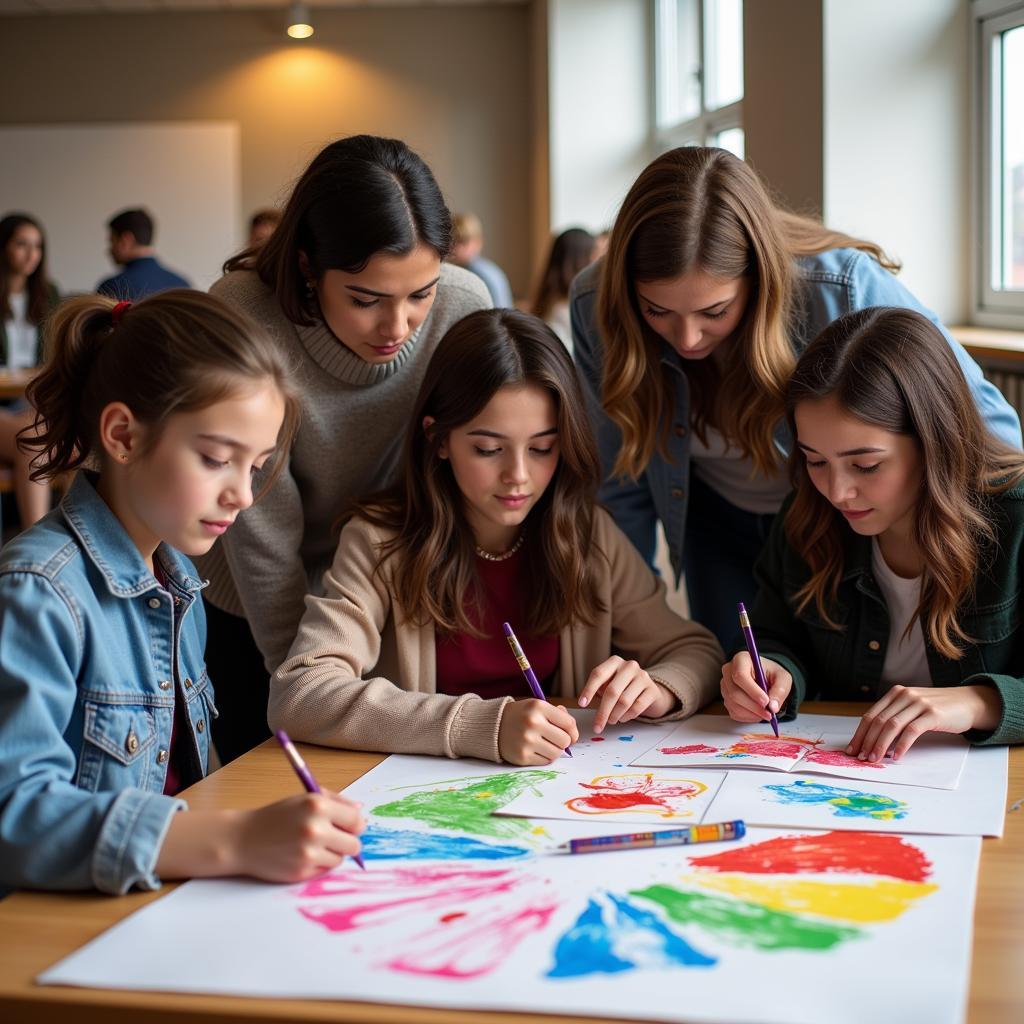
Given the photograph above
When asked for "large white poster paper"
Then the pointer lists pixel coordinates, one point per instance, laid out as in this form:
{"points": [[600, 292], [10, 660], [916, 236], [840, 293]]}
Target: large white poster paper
{"points": [[976, 807], [812, 743]]}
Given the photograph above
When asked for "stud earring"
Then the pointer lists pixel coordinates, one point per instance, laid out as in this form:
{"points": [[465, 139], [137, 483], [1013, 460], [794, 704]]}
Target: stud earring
{"points": [[310, 287], [123, 456]]}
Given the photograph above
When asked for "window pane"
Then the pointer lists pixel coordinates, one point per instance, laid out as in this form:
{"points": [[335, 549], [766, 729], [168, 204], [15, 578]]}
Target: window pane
{"points": [[723, 45], [1012, 170], [731, 139], [678, 61]]}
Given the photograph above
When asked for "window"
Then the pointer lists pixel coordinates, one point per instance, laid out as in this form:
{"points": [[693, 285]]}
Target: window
{"points": [[699, 73], [999, 274]]}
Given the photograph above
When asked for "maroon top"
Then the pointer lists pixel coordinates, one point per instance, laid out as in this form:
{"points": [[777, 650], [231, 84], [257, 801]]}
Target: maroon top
{"points": [[487, 666]]}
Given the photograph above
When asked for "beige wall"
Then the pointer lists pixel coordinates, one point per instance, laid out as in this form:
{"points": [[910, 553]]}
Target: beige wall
{"points": [[452, 81]]}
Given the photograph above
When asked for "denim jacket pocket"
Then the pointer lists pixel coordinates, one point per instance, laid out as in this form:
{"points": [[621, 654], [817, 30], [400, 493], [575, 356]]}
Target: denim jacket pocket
{"points": [[116, 742], [202, 711]]}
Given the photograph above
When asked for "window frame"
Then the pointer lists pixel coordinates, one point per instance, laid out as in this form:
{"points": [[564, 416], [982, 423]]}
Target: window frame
{"points": [[992, 307], [707, 123]]}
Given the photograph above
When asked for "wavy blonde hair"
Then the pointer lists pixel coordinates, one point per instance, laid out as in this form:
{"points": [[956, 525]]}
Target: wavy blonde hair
{"points": [[894, 369], [702, 208]]}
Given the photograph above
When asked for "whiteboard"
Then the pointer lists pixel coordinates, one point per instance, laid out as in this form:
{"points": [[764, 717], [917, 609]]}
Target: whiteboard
{"points": [[74, 178]]}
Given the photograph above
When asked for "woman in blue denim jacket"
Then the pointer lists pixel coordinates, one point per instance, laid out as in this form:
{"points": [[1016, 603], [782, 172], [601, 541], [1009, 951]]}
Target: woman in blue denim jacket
{"points": [[686, 334], [105, 704]]}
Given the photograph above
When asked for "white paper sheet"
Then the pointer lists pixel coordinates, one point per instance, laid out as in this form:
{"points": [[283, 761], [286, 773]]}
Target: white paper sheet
{"points": [[662, 796], [977, 807], [812, 744], [779, 928]]}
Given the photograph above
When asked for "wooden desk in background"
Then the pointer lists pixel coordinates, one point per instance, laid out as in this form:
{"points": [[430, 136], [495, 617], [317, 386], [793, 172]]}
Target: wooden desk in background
{"points": [[12, 384], [38, 929]]}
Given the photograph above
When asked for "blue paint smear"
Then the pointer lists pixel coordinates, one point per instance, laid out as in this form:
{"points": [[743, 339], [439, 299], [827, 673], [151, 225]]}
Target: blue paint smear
{"points": [[625, 739], [844, 803], [634, 938], [393, 844]]}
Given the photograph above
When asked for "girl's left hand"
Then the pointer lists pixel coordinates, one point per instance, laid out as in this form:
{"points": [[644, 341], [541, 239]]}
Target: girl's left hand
{"points": [[907, 712], [627, 692]]}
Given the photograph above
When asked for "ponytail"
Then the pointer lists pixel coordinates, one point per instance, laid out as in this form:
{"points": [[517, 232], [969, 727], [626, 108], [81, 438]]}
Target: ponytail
{"points": [[178, 351], [63, 433]]}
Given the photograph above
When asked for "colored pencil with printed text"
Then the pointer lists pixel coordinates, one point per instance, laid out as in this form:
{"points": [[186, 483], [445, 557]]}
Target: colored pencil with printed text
{"points": [[524, 664], [748, 636], [304, 774], [669, 837]]}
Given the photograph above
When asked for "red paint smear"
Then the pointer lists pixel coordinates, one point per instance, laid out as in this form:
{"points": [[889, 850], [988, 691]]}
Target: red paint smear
{"points": [[840, 759], [693, 748], [477, 949], [448, 918], [866, 853], [767, 748], [620, 793], [597, 739]]}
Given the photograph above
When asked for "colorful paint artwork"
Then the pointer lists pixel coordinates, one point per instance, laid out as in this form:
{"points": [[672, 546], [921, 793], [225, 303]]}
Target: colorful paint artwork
{"points": [[469, 807], [651, 798], [813, 743], [664, 798], [404, 844], [847, 803]]}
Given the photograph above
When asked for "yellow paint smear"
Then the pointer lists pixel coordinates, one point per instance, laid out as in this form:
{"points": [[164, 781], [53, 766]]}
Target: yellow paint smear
{"points": [[866, 904]]}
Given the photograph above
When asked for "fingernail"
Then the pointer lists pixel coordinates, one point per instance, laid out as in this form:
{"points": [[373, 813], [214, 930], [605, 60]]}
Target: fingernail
{"points": [[861, 756], [773, 706], [872, 757], [583, 701]]}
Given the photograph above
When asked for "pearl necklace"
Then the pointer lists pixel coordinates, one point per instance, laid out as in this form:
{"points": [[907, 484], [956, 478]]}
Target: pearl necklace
{"points": [[505, 554]]}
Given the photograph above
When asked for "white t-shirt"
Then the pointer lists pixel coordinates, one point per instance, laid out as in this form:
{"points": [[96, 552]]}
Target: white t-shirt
{"points": [[905, 659], [731, 474], [558, 320], [21, 335]]}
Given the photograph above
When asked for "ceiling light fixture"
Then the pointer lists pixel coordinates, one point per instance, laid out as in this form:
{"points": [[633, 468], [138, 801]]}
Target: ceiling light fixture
{"points": [[300, 25]]}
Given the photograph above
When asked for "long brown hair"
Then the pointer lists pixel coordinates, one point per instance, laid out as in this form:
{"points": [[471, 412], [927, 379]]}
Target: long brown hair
{"points": [[177, 351], [570, 252], [360, 196], [703, 208], [485, 351], [894, 369], [37, 287]]}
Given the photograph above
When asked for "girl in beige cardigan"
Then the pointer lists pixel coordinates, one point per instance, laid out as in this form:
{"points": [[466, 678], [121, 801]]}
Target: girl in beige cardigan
{"points": [[495, 518]]}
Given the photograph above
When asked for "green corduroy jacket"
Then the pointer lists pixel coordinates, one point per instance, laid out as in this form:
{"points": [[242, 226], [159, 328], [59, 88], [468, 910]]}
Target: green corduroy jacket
{"points": [[846, 665]]}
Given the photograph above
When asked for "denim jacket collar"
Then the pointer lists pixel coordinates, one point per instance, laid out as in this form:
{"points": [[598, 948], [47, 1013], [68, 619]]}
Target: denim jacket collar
{"points": [[107, 544]]}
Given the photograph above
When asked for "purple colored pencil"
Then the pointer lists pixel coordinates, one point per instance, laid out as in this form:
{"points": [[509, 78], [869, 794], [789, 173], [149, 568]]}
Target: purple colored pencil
{"points": [[748, 636], [524, 664], [304, 774]]}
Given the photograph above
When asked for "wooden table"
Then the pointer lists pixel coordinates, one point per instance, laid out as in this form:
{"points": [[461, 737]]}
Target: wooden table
{"points": [[13, 383], [37, 929]]}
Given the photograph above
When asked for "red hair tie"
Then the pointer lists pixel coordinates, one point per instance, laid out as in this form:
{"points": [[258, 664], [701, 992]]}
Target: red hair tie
{"points": [[118, 311]]}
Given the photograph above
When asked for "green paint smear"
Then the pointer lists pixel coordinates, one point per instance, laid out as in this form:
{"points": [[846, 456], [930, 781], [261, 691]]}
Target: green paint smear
{"points": [[747, 924], [469, 809]]}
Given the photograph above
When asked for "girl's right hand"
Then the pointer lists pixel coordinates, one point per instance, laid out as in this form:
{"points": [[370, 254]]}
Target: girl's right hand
{"points": [[535, 732], [744, 699], [297, 838]]}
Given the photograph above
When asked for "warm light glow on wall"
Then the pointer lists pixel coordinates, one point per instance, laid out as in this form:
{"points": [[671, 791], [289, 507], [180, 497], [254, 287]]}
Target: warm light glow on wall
{"points": [[300, 25]]}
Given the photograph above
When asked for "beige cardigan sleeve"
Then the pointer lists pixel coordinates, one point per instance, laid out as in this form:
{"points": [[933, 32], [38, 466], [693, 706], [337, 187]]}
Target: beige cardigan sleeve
{"points": [[680, 654], [357, 678]]}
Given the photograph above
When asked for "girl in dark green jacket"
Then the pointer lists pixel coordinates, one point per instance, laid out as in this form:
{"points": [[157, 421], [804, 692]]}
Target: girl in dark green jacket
{"points": [[894, 571]]}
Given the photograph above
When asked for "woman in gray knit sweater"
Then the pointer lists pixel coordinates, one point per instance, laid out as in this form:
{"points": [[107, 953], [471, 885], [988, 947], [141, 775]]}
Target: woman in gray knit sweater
{"points": [[354, 287]]}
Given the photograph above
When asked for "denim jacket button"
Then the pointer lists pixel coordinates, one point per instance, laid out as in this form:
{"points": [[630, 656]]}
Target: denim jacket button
{"points": [[677, 492], [162, 757], [165, 684], [188, 683], [873, 645], [132, 743], [154, 602], [200, 725]]}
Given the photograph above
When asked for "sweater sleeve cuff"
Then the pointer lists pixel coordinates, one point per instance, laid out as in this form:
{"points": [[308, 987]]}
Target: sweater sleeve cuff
{"points": [[1011, 724], [690, 694], [473, 728]]}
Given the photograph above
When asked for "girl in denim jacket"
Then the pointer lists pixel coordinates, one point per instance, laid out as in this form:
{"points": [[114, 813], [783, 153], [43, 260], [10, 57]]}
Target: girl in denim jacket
{"points": [[167, 408], [686, 334], [894, 572]]}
